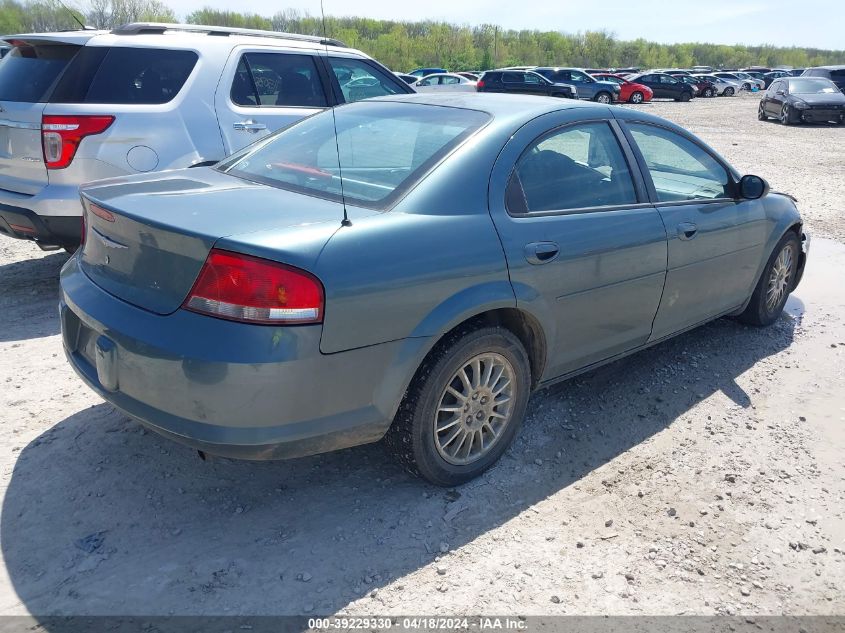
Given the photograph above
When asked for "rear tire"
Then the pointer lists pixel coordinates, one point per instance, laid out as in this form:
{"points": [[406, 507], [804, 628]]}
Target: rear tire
{"points": [[729, 92], [465, 363], [709, 93], [637, 97], [775, 284], [685, 96]]}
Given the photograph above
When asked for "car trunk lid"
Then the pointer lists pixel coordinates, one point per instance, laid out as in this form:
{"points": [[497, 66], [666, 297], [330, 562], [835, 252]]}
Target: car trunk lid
{"points": [[27, 75], [147, 238]]}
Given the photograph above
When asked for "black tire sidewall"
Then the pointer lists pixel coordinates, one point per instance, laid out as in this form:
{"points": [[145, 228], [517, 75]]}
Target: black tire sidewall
{"points": [[635, 100], [428, 461], [757, 313]]}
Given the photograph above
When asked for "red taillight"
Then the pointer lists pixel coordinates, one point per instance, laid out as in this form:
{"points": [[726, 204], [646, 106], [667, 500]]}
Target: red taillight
{"points": [[61, 136], [479, 84], [245, 288]]}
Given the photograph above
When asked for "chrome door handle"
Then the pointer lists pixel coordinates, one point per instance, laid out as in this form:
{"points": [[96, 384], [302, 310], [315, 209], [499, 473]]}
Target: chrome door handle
{"points": [[687, 231], [249, 126], [541, 252]]}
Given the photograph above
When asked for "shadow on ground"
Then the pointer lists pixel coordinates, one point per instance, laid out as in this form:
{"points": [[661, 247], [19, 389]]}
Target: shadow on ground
{"points": [[102, 517], [29, 297]]}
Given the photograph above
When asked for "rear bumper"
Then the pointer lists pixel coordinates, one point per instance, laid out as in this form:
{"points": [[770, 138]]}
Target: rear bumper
{"points": [[231, 389], [52, 230]]}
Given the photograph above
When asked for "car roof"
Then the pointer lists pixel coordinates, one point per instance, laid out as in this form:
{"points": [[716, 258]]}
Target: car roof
{"points": [[153, 34]]}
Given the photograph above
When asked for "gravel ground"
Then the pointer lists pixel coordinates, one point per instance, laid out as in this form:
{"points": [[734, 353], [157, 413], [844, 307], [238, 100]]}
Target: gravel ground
{"points": [[702, 476]]}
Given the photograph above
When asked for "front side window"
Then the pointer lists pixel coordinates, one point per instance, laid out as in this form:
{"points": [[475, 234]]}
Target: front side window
{"points": [[575, 167], [679, 168], [510, 78], [579, 76], [277, 79], [378, 151], [360, 80], [446, 80]]}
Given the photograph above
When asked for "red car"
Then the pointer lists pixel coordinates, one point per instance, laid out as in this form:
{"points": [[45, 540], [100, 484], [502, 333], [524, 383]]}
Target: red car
{"points": [[629, 92]]}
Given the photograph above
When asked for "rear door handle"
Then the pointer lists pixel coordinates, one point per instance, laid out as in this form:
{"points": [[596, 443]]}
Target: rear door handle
{"points": [[249, 126], [541, 252], [687, 231]]}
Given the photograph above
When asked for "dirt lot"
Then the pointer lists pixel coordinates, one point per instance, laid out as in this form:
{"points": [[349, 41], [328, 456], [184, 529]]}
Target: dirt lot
{"points": [[703, 476]]}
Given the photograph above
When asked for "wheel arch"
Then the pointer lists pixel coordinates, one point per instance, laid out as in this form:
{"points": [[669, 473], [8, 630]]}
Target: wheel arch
{"points": [[522, 324]]}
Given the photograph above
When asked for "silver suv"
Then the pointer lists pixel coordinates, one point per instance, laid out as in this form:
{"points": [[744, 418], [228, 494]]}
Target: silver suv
{"points": [[85, 105]]}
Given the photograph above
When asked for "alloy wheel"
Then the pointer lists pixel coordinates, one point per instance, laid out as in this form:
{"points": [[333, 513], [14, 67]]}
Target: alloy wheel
{"points": [[637, 97], [761, 112], [779, 279], [475, 408], [603, 98], [784, 115]]}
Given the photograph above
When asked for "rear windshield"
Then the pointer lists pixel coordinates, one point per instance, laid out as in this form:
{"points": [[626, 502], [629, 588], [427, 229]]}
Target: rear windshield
{"points": [[28, 72], [120, 75], [384, 149]]}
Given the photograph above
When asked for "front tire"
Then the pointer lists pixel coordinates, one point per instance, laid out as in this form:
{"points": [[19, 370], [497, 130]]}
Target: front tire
{"points": [[775, 284], [709, 93], [685, 96], [637, 97], [761, 113], [785, 115], [729, 92], [604, 97], [464, 406]]}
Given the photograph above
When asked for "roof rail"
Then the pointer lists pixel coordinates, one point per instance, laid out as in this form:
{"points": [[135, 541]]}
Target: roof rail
{"points": [[146, 28]]}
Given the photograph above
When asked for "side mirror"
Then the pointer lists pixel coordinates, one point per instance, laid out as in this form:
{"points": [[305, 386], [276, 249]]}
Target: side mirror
{"points": [[780, 92], [752, 187]]}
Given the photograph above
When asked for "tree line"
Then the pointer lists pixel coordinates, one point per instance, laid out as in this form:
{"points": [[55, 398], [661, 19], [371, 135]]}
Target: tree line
{"points": [[406, 45]]}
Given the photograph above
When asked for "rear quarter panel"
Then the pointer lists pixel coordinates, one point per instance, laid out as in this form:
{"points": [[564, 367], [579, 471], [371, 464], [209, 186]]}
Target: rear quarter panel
{"points": [[423, 267]]}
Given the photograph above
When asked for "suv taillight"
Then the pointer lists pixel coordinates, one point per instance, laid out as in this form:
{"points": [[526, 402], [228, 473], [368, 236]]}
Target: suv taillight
{"points": [[479, 84], [245, 288], [61, 135]]}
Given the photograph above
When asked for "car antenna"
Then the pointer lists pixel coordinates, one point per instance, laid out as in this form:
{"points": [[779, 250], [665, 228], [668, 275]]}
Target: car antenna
{"points": [[345, 221], [76, 19]]}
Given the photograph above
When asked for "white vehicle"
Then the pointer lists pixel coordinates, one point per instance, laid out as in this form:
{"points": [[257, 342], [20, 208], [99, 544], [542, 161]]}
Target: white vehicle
{"points": [[445, 82], [724, 87], [744, 79], [80, 106]]}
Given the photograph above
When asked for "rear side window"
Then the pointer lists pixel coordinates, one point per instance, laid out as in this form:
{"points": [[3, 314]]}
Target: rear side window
{"points": [[575, 167], [28, 72], [121, 75], [278, 79]]}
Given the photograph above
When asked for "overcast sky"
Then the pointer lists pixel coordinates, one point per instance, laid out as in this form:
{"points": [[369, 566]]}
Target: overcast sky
{"points": [[814, 23]]}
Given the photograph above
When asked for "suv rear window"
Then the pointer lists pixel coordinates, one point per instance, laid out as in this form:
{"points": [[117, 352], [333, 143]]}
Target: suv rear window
{"points": [[122, 75], [28, 72], [384, 149]]}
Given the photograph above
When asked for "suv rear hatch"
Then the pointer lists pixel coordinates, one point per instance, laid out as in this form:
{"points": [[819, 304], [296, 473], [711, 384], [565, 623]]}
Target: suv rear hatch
{"points": [[27, 76], [150, 236]]}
